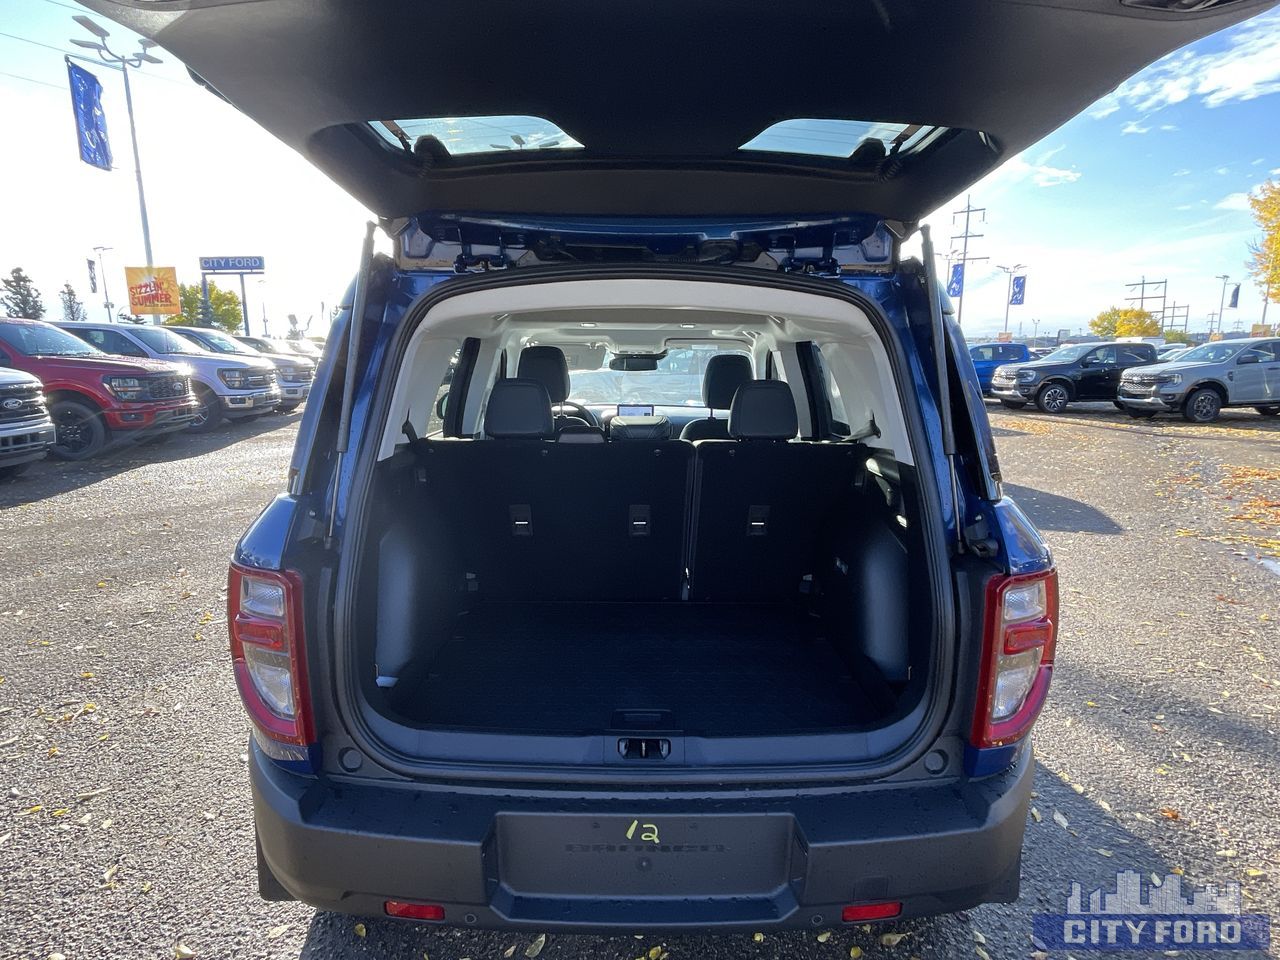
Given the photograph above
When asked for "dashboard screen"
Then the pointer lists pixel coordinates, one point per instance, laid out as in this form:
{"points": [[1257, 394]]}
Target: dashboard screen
{"points": [[635, 409]]}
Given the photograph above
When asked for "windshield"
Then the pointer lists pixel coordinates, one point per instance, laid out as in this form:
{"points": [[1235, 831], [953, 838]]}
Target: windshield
{"points": [[1073, 352], [220, 342], [39, 340], [304, 347], [164, 341], [1212, 352], [676, 382]]}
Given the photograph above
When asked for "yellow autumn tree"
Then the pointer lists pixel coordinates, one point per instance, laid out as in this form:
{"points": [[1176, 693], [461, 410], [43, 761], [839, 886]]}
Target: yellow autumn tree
{"points": [[1125, 322], [1264, 254]]}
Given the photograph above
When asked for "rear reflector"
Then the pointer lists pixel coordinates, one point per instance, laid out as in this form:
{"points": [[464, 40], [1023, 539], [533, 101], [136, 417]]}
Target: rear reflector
{"points": [[1019, 636], [861, 912], [414, 911]]}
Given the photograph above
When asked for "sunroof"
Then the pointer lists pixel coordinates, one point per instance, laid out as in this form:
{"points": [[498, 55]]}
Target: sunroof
{"points": [[464, 135], [840, 138]]}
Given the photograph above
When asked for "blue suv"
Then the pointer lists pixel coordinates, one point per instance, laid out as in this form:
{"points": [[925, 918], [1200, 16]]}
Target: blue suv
{"points": [[644, 562]]}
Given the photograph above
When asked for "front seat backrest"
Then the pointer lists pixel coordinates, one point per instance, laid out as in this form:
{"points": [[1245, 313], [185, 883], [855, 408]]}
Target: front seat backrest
{"points": [[518, 409], [763, 410], [725, 373], [548, 366]]}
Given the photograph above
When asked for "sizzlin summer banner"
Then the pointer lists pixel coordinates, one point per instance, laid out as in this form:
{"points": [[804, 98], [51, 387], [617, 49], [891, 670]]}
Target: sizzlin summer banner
{"points": [[152, 289]]}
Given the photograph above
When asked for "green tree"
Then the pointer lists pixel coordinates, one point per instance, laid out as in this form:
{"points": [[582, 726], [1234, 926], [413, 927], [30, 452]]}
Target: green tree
{"points": [[1176, 336], [1264, 254], [1124, 322], [72, 308], [21, 298], [225, 307]]}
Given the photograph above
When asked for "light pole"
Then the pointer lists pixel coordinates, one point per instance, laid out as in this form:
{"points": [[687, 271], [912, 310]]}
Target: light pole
{"points": [[1225, 278], [1035, 331], [1009, 271], [136, 60], [102, 272]]}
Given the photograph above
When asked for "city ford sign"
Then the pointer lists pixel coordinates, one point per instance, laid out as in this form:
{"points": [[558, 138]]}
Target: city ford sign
{"points": [[232, 264]]}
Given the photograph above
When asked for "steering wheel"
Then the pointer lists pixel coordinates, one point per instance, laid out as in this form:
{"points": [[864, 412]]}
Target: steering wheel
{"points": [[578, 410]]}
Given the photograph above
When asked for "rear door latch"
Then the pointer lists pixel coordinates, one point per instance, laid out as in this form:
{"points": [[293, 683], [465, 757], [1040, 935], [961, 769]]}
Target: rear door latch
{"points": [[644, 748]]}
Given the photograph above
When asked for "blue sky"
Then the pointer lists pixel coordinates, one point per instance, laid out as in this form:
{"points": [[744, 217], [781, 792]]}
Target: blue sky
{"points": [[1151, 181]]}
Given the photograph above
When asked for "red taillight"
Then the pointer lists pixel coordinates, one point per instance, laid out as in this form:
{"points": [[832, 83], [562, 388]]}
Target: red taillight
{"points": [[1020, 631], [414, 911], [264, 617], [862, 912]]}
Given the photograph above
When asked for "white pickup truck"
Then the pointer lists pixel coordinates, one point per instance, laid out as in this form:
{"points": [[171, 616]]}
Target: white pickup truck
{"points": [[226, 387]]}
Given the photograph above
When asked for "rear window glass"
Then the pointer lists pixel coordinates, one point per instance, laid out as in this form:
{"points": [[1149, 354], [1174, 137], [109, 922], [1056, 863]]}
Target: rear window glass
{"points": [[676, 382], [840, 138], [470, 135]]}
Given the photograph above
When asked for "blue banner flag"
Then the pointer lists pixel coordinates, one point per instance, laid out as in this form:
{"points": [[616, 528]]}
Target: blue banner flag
{"points": [[91, 124], [1235, 298], [1019, 293], [955, 287]]}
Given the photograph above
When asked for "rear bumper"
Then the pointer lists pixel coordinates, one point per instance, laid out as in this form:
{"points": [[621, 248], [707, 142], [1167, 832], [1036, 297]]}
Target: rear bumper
{"points": [[25, 441], [499, 860]]}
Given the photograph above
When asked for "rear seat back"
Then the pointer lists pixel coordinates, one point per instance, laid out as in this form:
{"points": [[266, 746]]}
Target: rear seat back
{"points": [[762, 500], [560, 520]]}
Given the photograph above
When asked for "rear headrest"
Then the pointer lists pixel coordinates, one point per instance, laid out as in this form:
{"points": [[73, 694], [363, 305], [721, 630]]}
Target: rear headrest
{"points": [[548, 366], [725, 374], [640, 428], [518, 408], [580, 433], [763, 410]]}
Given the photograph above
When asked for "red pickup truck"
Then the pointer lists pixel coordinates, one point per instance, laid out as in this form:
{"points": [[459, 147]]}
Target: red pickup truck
{"points": [[96, 399]]}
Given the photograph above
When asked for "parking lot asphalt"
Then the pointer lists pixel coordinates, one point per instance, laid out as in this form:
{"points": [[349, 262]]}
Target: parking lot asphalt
{"points": [[125, 827]]}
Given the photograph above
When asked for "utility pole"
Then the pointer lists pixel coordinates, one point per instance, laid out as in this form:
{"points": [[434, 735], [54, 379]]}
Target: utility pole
{"points": [[1213, 319], [964, 259], [1035, 331], [1008, 294], [135, 60], [102, 272]]}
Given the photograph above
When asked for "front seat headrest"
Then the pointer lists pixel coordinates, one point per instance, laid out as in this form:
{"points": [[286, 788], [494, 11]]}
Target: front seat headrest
{"points": [[548, 366], [640, 428], [763, 410], [725, 373], [518, 409]]}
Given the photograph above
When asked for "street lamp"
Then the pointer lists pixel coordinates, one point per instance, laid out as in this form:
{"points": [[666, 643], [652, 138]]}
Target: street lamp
{"points": [[1225, 278], [102, 272], [1010, 271], [135, 60]]}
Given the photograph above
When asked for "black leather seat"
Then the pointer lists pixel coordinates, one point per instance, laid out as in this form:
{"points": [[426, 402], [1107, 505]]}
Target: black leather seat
{"points": [[763, 500], [548, 366], [725, 373]]}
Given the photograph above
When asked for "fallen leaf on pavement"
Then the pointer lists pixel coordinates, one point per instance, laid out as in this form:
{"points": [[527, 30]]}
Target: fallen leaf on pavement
{"points": [[539, 942], [359, 929], [1170, 814], [855, 952], [183, 952], [891, 939], [1060, 820], [824, 936]]}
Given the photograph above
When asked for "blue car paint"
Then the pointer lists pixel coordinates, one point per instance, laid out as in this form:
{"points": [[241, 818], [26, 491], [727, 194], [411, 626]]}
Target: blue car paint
{"points": [[1011, 353], [1020, 548]]}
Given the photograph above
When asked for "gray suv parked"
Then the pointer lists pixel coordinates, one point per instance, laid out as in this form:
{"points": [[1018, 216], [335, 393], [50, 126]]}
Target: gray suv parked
{"points": [[1226, 373]]}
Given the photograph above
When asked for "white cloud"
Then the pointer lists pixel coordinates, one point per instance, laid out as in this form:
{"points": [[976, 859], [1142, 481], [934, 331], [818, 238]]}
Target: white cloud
{"points": [[1168, 126], [1248, 68], [1184, 206], [1233, 201], [1184, 172], [1222, 171], [1133, 127], [1276, 172]]}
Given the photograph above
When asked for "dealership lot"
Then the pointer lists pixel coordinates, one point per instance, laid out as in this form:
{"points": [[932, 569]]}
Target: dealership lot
{"points": [[126, 829]]}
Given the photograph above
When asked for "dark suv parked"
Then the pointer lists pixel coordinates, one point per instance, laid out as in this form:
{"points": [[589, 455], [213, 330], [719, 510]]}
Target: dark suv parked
{"points": [[1081, 371], [507, 667]]}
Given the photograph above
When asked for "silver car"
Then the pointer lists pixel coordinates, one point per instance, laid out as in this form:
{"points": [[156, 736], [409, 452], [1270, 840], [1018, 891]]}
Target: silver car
{"points": [[1225, 373]]}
